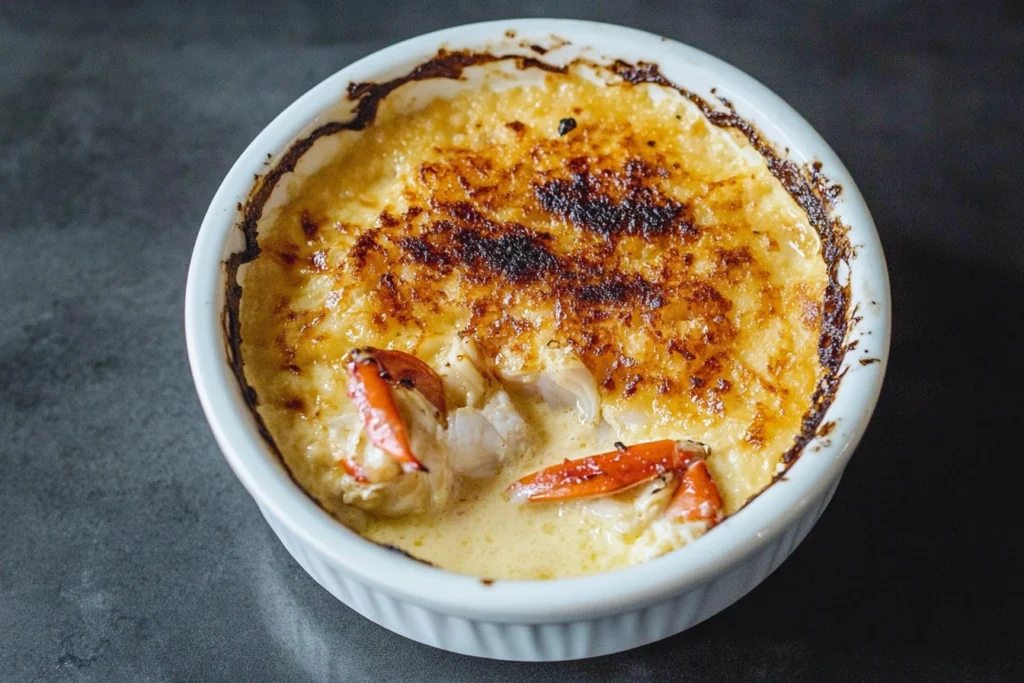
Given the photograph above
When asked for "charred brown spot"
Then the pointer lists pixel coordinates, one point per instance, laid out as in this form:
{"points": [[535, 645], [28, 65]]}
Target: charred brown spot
{"points": [[730, 259], [421, 251], [387, 284], [287, 256], [755, 435], [641, 72], [618, 289], [632, 382], [365, 244], [708, 298], [466, 213], [482, 248], [677, 346], [296, 404], [585, 200], [310, 228], [517, 126], [707, 386], [518, 257]]}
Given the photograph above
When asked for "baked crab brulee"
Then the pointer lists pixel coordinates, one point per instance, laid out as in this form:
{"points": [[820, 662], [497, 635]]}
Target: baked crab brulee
{"points": [[534, 329]]}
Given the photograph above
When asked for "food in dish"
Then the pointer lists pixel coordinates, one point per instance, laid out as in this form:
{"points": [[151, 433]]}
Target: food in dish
{"points": [[535, 330]]}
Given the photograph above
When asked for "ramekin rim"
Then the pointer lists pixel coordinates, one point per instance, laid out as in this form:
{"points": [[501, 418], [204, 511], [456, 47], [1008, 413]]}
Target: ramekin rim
{"points": [[762, 520]]}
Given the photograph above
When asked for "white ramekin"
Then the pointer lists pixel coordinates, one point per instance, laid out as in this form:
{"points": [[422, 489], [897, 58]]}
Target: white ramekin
{"points": [[565, 618]]}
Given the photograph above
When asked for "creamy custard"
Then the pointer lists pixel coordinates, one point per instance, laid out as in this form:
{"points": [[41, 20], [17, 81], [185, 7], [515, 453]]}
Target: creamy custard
{"points": [[584, 217]]}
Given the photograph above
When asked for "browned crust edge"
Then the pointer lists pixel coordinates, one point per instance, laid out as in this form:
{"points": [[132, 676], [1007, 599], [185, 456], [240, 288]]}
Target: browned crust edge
{"points": [[815, 195], [808, 186]]}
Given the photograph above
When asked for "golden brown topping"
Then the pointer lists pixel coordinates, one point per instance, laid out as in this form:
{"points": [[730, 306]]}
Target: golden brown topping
{"points": [[643, 242]]}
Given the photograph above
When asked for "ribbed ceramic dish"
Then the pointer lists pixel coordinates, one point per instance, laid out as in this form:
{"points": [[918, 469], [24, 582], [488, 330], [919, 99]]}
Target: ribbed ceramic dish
{"points": [[564, 618]]}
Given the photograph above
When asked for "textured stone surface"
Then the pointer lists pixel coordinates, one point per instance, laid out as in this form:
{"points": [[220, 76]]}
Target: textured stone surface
{"points": [[128, 551]]}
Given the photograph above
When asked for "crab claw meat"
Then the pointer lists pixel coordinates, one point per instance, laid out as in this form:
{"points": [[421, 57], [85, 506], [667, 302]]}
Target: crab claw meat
{"points": [[696, 499], [406, 369], [612, 472], [369, 389]]}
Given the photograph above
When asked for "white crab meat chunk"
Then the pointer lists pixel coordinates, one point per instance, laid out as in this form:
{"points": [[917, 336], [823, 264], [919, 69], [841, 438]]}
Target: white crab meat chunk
{"points": [[628, 514], [627, 423], [466, 376], [486, 429], [481, 439], [665, 535], [561, 380], [641, 522]]}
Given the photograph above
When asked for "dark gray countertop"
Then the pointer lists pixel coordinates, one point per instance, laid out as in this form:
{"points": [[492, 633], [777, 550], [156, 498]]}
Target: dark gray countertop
{"points": [[128, 551]]}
